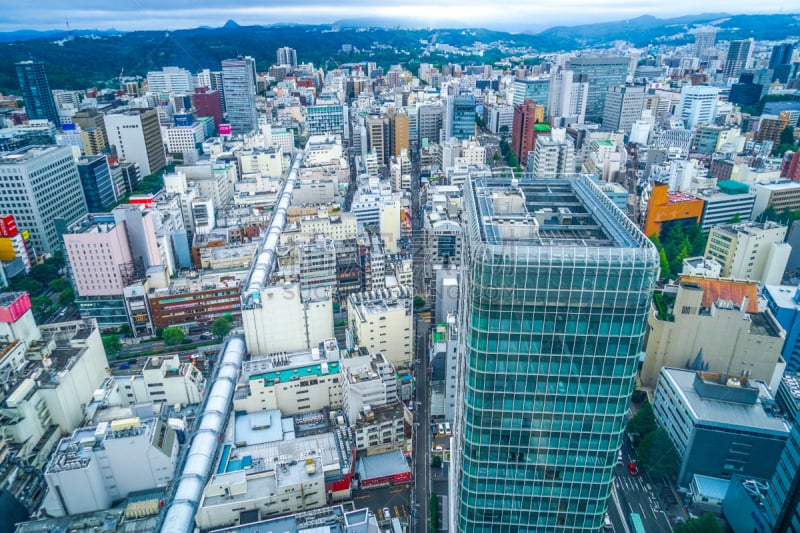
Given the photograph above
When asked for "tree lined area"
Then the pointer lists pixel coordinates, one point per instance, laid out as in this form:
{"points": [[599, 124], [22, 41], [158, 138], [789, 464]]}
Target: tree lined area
{"points": [[655, 452], [677, 243]]}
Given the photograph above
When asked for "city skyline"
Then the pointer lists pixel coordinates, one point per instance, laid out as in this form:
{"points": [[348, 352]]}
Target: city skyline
{"points": [[149, 15]]}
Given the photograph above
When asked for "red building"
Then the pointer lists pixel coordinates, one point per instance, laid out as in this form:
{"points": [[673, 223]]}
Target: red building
{"points": [[208, 103], [524, 129]]}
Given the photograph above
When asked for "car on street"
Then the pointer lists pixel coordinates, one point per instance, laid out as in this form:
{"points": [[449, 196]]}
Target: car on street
{"points": [[632, 468], [387, 514]]}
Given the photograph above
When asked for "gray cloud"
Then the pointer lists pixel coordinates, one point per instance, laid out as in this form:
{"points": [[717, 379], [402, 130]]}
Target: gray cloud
{"points": [[176, 14]]}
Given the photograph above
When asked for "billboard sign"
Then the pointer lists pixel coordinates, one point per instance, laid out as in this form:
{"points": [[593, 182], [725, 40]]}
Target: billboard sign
{"points": [[225, 129]]}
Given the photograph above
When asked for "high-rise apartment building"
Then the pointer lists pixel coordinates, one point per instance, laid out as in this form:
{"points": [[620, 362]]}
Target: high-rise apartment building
{"points": [[549, 358], [41, 184], [623, 107], [553, 156], [170, 80], [601, 72], [39, 102], [398, 131], [286, 56], [430, 123], [239, 87], [135, 135], [93, 130], [738, 56], [378, 132]]}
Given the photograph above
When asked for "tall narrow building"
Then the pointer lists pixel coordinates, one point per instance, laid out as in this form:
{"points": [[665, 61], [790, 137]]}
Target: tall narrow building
{"points": [[601, 72], [39, 102], [553, 320], [738, 56], [239, 88]]}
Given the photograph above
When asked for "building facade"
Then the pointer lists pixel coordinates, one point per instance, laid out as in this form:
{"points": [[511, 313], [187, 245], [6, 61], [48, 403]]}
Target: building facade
{"points": [[545, 354], [39, 102], [239, 87]]}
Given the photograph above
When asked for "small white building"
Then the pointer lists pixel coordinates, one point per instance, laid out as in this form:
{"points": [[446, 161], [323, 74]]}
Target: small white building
{"points": [[382, 321], [163, 379]]}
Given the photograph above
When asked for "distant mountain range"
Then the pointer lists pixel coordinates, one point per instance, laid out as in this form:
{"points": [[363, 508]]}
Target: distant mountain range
{"points": [[94, 56]]}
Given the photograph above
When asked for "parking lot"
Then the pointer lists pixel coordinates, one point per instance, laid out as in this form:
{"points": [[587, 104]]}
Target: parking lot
{"points": [[395, 498]]}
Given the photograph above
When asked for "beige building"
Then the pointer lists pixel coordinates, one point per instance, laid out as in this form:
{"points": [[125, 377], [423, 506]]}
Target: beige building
{"points": [[163, 379], [713, 325], [380, 429], [750, 251], [382, 321]]}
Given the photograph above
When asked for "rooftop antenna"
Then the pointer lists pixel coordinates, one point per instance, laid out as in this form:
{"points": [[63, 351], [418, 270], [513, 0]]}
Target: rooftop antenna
{"points": [[69, 31]]}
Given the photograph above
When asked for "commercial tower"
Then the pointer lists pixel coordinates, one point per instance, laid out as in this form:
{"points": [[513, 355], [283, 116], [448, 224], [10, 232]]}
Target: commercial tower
{"points": [[601, 72], [239, 86], [738, 56], [39, 103], [553, 319]]}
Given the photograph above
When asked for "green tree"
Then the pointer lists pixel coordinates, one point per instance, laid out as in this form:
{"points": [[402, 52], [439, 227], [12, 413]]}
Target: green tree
{"points": [[436, 462], [434, 510], [29, 285], [173, 336], [112, 345], [665, 271], [59, 284], [419, 302], [708, 523], [66, 297], [57, 260], [221, 327], [657, 454], [44, 273], [124, 329], [786, 141], [40, 304], [644, 422]]}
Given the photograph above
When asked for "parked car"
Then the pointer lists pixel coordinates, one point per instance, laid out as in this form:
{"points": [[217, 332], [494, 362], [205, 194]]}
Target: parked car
{"points": [[387, 514]]}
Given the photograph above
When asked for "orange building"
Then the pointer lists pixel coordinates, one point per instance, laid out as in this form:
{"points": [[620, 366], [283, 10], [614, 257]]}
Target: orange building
{"points": [[665, 206]]}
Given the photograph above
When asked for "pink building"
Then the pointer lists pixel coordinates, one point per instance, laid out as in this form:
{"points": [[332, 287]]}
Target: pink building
{"points": [[98, 251]]}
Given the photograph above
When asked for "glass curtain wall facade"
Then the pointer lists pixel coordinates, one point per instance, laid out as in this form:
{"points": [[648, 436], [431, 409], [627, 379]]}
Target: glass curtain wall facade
{"points": [[554, 314]]}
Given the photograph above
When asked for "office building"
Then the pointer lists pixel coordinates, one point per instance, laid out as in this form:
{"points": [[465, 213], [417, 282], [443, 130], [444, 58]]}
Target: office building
{"points": [[536, 89], [730, 201], [286, 56], [666, 207], [698, 105], [170, 80], [704, 39], [93, 130], [326, 118], [39, 102], [378, 135], [781, 196], [430, 123], [239, 88], [715, 325], [783, 301], [553, 156], [381, 321], [737, 58], [41, 184], [750, 250], [544, 353], [135, 135], [367, 381], [782, 505], [623, 107], [526, 126], [569, 92], [460, 121], [601, 73], [746, 92], [195, 300], [208, 103], [398, 132], [98, 185], [720, 423]]}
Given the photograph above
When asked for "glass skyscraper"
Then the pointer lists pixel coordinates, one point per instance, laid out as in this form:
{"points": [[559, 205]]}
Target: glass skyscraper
{"points": [[39, 102], [239, 87], [558, 288], [601, 72]]}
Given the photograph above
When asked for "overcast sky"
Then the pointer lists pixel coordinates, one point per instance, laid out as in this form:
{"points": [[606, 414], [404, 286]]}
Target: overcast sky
{"points": [[499, 14]]}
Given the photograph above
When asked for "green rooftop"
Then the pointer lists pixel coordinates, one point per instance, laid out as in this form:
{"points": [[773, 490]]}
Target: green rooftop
{"points": [[541, 127], [604, 143], [286, 375], [733, 187]]}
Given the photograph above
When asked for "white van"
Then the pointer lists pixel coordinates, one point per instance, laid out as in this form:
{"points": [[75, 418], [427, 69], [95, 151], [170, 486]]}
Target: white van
{"points": [[447, 428], [607, 523], [440, 429]]}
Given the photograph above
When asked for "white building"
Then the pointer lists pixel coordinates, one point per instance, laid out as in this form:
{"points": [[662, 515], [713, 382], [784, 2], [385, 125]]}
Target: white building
{"points": [[698, 104], [163, 379], [294, 383], [182, 139], [99, 465], [135, 135], [173, 80], [382, 321], [553, 156], [367, 380], [285, 319], [750, 251]]}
